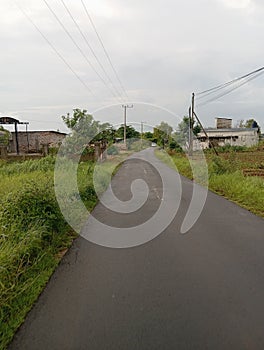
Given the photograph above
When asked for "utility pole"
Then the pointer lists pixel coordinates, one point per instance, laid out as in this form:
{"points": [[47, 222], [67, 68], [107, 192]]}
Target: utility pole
{"points": [[142, 126], [125, 121], [191, 121]]}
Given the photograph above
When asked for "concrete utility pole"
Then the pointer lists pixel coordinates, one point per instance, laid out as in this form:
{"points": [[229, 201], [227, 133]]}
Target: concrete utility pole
{"points": [[142, 126], [191, 121], [125, 120]]}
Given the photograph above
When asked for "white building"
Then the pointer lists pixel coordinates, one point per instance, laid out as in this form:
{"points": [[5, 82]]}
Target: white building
{"points": [[233, 137]]}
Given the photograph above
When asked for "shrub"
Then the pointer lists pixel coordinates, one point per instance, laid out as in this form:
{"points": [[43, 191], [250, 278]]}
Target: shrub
{"points": [[112, 150], [220, 166], [33, 204], [173, 145]]}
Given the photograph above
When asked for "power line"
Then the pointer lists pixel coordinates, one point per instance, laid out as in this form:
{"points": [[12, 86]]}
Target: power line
{"points": [[90, 47], [76, 45], [54, 49], [230, 82], [234, 88], [104, 48]]}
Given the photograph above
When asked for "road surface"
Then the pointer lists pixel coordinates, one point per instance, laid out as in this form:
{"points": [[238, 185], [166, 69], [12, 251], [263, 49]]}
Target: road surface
{"points": [[201, 290]]}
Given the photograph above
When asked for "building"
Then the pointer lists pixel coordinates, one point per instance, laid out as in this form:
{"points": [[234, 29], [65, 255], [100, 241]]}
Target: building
{"points": [[232, 136], [223, 123], [35, 141]]}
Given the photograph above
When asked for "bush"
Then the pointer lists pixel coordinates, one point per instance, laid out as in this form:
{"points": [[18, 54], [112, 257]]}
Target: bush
{"points": [[32, 205], [173, 145], [229, 148], [112, 150], [220, 166]]}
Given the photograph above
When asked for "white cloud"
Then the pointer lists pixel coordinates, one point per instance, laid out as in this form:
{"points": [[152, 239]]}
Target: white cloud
{"points": [[162, 52]]}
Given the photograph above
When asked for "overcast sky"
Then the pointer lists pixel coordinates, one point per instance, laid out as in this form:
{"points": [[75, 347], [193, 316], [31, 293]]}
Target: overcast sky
{"points": [[163, 50]]}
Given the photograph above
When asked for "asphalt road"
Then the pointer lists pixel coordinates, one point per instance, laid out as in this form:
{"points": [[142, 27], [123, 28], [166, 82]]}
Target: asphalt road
{"points": [[201, 290]]}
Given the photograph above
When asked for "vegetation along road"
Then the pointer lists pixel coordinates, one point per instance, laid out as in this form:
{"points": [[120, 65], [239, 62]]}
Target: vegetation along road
{"points": [[200, 290]]}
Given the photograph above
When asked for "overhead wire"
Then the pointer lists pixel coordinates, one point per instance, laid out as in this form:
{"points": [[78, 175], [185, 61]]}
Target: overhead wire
{"points": [[104, 49], [78, 47], [243, 80], [230, 82], [90, 47], [54, 48]]}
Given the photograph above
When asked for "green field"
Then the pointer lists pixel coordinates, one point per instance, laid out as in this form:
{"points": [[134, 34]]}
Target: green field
{"points": [[226, 175]]}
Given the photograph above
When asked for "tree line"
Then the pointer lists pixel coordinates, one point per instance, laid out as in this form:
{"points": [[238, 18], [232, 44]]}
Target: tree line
{"points": [[83, 127]]}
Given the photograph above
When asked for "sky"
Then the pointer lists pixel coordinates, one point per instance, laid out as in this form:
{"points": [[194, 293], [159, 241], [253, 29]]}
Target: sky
{"points": [[162, 51]]}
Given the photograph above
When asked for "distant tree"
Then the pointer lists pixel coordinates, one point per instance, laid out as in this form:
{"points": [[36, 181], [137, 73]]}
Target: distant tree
{"points": [[250, 123], [84, 123], [131, 133], [108, 134], [182, 135], [162, 134], [173, 145], [240, 123], [84, 130], [148, 135]]}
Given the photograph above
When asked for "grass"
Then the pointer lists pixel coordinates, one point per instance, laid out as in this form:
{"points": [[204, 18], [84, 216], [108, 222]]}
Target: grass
{"points": [[226, 176], [248, 192], [33, 233]]}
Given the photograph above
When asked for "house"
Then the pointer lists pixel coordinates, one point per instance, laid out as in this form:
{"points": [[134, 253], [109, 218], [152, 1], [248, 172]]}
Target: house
{"points": [[233, 137], [224, 135], [35, 141]]}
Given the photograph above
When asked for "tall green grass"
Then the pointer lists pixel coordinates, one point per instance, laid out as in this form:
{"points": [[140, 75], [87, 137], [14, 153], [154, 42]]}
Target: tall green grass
{"points": [[33, 235], [225, 178], [248, 192]]}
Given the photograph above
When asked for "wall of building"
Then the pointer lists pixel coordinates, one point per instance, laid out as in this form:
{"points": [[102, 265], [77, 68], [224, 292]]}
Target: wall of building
{"points": [[33, 141], [223, 123], [232, 137]]}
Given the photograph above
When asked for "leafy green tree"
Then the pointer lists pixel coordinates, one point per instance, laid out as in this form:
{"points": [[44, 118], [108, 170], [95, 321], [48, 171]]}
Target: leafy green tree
{"points": [[173, 145], [131, 133], [162, 134], [252, 123], [85, 130], [182, 135], [148, 135]]}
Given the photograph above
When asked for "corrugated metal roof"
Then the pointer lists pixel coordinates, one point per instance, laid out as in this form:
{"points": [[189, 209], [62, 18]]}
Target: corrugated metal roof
{"points": [[41, 131], [232, 129]]}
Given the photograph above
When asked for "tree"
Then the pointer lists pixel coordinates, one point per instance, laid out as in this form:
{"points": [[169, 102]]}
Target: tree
{"points": [[148, 135], [240, 123], [250, 123], [162, 134], [131, 133], [84, 130], [108, 134], [182, 135]]}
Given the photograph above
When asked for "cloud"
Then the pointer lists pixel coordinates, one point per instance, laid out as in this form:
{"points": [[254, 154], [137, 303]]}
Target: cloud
{"points": [[162, 52]]}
